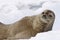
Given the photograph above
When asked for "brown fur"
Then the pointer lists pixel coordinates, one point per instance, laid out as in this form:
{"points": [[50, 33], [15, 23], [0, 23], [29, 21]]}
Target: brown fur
{"points": [[3, 31], [29, 26]]}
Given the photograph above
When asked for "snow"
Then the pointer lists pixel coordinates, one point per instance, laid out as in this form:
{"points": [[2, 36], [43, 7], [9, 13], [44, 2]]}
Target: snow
{"points": [[13, 10], [51, 35]]}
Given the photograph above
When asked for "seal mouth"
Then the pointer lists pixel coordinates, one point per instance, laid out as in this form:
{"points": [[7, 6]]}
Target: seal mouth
{"points": [[45, 17]]}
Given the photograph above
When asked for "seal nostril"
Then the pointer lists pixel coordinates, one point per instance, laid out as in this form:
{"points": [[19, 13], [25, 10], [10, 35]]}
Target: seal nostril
{"points": [[44, 15]]}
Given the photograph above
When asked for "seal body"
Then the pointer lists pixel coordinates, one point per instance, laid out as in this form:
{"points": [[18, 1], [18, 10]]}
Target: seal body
{"points": [[29, 26]]}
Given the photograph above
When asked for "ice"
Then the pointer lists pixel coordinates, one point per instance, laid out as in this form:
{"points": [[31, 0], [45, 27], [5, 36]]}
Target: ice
{"points": [[51, 35]]}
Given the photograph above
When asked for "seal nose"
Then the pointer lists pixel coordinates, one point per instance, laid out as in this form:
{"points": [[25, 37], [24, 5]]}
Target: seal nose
{"points": [[44, 16]]}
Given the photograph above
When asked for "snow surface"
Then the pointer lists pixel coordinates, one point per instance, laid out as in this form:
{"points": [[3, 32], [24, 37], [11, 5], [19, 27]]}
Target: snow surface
{"points": [[51, 35], [13, 10]]}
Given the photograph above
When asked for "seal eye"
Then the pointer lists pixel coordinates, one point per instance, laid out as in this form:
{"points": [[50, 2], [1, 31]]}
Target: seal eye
{"points": [[50, 15], [42, 12]]}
